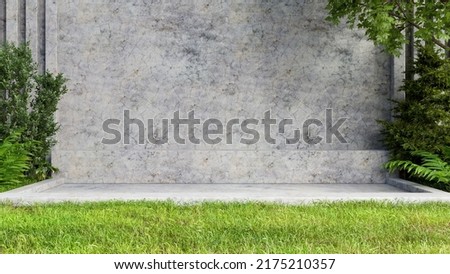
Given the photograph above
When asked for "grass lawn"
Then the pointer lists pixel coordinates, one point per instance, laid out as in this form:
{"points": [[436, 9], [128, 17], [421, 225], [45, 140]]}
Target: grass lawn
{"points": [[165, 227]]}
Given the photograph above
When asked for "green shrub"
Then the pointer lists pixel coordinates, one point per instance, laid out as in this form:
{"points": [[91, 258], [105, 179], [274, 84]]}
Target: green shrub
{"points": [[28, 101], [418, 137], [421, 121], [432, 168], [14, 159]]}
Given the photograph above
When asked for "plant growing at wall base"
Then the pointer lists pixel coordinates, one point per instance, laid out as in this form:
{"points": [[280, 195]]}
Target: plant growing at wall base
{"points": [[28, 101], [421, 121], [433, 168], [418, 137], [14, 159]]}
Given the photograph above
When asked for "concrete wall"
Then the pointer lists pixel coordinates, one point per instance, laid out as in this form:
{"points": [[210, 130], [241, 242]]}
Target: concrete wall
{"points": [[224, 60]]}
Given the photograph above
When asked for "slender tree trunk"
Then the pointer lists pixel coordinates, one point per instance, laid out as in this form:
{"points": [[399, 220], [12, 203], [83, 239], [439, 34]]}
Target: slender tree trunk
{"points": [[448, 51]]}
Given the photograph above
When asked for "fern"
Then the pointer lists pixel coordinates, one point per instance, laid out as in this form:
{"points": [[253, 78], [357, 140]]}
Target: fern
{"points": [[14, 159], [432, 168]]}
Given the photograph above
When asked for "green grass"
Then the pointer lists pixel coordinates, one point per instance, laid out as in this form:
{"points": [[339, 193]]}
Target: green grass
{"points": [[165, 227]]}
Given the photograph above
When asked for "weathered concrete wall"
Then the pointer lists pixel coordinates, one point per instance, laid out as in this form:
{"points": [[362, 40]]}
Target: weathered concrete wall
{"points": [[21, 21], [224, 60]]}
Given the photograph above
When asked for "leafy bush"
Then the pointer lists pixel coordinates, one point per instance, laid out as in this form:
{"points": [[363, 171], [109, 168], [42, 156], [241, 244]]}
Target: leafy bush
{"points": [[28, 101], [418, 138], [14, 159], [432, 167], [421, 121]]}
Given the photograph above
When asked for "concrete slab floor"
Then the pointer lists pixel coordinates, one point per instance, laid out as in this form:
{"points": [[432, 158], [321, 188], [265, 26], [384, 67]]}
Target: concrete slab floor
{"points": [[57, 191]]}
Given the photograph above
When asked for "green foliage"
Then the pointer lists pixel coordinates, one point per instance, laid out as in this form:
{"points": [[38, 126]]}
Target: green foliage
{"points": [[14, 159], [28, 101], [419, 135], [433, 168], [384, 20], [422, 120]]}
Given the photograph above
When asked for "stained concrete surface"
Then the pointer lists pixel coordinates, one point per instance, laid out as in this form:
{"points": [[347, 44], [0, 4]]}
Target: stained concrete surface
{"points": [[58, 191]]}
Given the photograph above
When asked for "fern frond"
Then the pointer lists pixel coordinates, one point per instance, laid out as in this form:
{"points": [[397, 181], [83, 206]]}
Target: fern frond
{"points": [[433, 168]]}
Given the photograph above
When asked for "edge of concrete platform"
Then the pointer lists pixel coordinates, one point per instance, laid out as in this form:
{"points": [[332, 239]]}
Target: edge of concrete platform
{"points": [[414, 187], [36, 187], [414, 193], [304, 200]]}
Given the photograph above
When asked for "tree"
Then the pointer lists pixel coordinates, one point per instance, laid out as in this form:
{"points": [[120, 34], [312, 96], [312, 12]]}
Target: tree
{"points": [[419, 136], [385, 21]]}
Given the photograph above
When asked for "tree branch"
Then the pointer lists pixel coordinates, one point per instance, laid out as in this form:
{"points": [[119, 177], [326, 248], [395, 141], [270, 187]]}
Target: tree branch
{"points": [[417, 26]]}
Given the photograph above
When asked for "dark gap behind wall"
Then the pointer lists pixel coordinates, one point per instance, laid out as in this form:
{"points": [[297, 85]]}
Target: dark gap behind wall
{"points": [[22, 21], [41, 36], [2, 21]]}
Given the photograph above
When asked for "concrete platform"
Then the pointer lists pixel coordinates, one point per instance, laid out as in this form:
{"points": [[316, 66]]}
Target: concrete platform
{"points": [[56, 190]]}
